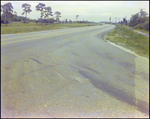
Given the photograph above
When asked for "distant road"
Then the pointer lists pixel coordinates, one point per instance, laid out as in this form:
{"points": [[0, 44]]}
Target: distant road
{"points": [[71, 73]]}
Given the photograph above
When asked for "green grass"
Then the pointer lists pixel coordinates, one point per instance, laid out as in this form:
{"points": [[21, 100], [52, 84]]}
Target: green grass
{"points": [[32, 27], [129, 39], [142, 30]]}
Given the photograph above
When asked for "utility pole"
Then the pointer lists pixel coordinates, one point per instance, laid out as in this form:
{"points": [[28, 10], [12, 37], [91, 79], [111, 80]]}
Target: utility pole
{"points": [[110, 19]]}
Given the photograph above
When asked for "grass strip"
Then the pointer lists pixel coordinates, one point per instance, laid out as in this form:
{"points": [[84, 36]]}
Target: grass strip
{"points": [[130, 40], [32, 27]]}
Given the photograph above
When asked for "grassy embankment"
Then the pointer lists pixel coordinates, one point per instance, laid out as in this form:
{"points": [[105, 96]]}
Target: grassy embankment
{"points": [[130, 40], [32, 27], [142, 30]]}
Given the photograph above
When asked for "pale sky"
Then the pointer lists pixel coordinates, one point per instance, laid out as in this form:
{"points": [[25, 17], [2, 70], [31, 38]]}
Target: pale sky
{"points": [[87, 10]]}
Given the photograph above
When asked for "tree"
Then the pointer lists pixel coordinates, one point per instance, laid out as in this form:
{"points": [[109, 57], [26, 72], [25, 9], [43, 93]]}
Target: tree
{"points": [[26, 9], [57, 13], [142, 14], [7, 10], [50, 20], [138, 18], [14, 16], [47, 12], [66, 21], [40, 7], [124, 21], [77, 17], [70, 21], [134, 20]]}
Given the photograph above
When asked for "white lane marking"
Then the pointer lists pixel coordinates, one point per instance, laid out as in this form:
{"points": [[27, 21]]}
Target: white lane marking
{"points": [[46, 79], [59, 75], [79, 79]]}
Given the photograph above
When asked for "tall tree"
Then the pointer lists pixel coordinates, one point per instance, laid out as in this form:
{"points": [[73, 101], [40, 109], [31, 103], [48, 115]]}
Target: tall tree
{"points": [[27, 9], [57, 13], [40, 7], [66, 21], [77, 17], [47, 12], [142, 14], [14, 17], [7, 10], [134, 20], [124, 21]]}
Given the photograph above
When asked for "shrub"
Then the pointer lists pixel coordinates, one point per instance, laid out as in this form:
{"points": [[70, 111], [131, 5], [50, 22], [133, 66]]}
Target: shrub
{"points": [[144, 25], [4, 22], [139, 26]]}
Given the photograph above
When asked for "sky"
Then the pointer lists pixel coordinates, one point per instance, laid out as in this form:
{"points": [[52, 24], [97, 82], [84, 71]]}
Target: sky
{"points": [[96, 11]]}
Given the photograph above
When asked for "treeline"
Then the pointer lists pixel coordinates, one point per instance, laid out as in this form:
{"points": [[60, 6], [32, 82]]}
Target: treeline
{"points": [[8, 15], [14, 18], [140, 20]]}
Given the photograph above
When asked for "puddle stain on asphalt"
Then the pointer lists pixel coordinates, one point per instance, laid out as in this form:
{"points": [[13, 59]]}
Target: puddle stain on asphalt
{"points": [[75, 54], [117, 93], [31, 71], [35, 60], [86, 67]]}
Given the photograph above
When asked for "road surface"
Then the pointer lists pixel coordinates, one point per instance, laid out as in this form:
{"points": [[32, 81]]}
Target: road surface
{"points": [[71, 73]]}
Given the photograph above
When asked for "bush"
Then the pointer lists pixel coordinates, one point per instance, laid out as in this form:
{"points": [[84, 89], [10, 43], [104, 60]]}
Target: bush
{"points": [[2, 21], [139, 26], [144, 25], [6, 22]]}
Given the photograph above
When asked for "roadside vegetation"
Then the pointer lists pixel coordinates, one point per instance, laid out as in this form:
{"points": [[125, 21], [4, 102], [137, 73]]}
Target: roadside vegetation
{"points": [[142, 30], [140, 20], [12, 23], [129, 39], [31, 27]]}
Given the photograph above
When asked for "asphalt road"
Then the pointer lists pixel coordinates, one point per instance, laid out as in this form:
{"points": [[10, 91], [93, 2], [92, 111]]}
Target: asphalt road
{"points": [[71, 73]]}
